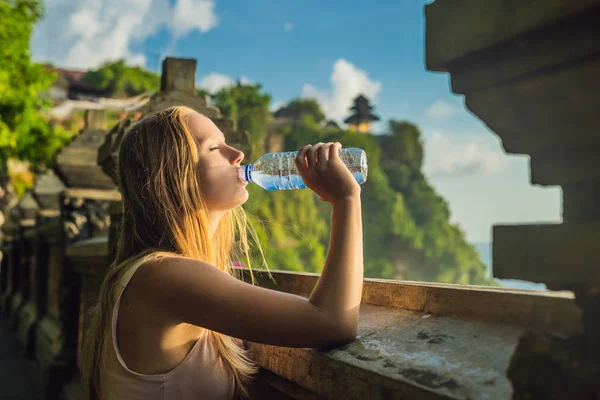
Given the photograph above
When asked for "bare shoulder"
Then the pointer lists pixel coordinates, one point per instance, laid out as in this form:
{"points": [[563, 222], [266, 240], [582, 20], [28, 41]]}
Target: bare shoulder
{"points": [[191, 291]]}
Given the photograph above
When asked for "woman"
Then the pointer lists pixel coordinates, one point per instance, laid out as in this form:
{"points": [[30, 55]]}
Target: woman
{"points": [[170, 315]]}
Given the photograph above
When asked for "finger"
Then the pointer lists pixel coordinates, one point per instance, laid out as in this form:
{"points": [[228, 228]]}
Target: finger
{"points": [[311, 155], [301, 157], [323, 156], [334, 151]]}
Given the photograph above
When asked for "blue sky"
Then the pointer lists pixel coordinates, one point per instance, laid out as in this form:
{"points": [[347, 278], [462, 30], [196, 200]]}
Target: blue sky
{"points": [[328, 50]]}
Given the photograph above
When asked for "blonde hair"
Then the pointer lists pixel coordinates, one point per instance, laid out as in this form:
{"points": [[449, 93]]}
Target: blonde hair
{"points": [[163, 211]]}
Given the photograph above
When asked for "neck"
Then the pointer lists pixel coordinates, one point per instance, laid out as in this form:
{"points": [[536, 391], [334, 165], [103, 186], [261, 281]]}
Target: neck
{"points": [[214, 217]]}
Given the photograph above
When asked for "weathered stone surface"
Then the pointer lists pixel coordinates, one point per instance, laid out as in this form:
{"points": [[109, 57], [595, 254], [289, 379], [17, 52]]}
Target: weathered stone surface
{"points": [[23, 282], [89, 259], [56, 338], [575, 168], [529, 71], [84, 218], [403, 354], [179, 74], [10, 266], [161, 100], [543, 113], [47, 189], [552, 254], [547, 366], [580, 203], [556, 46], [29, 209], [95, 120], [532, 308], [455, 29], [77, 162], [34, 306]]}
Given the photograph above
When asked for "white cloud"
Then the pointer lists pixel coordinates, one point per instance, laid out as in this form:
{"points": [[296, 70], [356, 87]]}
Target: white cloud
{"points": [[347, 82], [85, 33], [441, 109], [194, 14], [288, 26], [215, 81], [445, 157]]}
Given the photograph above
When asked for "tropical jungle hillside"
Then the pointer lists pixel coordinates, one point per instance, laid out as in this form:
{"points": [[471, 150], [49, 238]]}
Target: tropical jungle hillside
{"points": [[407, 229]]}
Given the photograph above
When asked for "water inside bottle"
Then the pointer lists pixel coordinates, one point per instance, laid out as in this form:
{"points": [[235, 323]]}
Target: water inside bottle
{"points": [[280, 181], [277, 171]]}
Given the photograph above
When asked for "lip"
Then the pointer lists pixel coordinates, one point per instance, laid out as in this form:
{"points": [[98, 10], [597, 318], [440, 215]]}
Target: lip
{"points": [[242, 181], [240, 176]]}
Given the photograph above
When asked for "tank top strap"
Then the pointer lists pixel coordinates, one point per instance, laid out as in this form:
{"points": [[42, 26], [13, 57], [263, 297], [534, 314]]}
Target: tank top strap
{"points": [[124, 281]]}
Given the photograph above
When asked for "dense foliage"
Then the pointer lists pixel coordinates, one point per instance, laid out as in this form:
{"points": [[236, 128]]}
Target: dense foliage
{"points": [[121, 80], [24, 134], [248, 107], [407, 232]]}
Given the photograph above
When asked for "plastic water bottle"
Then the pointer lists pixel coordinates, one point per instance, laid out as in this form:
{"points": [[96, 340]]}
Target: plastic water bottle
{"points": [[277, 171]]}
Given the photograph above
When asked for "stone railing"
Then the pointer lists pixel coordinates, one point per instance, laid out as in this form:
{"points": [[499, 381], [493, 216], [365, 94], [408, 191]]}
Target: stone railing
{"points": [[415, 340]]}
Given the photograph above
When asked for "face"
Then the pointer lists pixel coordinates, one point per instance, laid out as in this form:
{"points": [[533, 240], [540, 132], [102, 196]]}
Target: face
{"points": [[217, 166]]}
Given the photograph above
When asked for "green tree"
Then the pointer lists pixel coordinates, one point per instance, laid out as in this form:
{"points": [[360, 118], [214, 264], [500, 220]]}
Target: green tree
{"points": [[24, 134], [122, 80], [298, 108], [248, 107], [402, 154]]}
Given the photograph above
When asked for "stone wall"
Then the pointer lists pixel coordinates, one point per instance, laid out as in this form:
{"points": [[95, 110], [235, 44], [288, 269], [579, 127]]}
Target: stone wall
{"points": [[529, 71]]}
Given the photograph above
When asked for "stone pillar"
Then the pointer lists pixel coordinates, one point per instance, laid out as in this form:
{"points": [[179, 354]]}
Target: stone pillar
{"points": [[10, 257], [530, 72], [84, 201], [89, 259], [179, 75], [52, 299], [24, 309]]}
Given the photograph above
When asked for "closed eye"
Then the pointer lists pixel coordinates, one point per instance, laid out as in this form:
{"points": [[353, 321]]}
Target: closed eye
{"points": [[214, 148]]}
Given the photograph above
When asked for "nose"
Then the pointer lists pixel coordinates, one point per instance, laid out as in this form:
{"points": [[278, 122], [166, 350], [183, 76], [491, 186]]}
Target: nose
{"points": [[237, 156]]}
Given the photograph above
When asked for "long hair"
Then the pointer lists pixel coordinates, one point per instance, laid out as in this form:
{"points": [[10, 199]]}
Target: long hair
{"points": [[163, 211]]}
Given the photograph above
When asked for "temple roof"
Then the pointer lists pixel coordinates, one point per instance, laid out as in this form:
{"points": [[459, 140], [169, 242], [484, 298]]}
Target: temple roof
{"points": [[361, 111]]}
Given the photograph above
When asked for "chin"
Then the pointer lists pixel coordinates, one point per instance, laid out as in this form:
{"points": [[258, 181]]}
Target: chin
{"points": [[240, 199]]}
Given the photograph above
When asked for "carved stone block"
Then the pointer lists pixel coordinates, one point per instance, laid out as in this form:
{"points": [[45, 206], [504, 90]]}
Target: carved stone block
{"points": [[549, 253], [77, 162], [179, 74]]}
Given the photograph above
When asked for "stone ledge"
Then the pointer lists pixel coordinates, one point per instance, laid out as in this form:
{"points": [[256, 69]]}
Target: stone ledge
{"points": [[527, 308], [548, 253], [422, 340], [403, 354]]}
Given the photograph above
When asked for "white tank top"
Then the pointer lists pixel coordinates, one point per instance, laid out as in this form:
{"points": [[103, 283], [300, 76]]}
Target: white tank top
{"points": [[201, 375]]}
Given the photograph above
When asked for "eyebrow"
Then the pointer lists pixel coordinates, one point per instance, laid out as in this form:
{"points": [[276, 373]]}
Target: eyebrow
{"points": [[221, 137]]}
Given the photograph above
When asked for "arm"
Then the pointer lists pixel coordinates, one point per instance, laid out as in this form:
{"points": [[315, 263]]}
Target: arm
{"points": [[338, 292]]}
